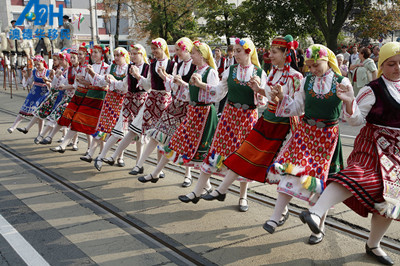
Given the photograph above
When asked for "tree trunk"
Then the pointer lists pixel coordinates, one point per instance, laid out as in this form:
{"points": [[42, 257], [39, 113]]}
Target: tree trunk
{"points": [[116, 37]]}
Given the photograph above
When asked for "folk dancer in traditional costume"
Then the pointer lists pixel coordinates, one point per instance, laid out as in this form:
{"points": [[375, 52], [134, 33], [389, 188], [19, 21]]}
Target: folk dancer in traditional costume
{"points": [[37, 94], [83, 114], [113, 103], [253, 159], [133, 103], [53, 99], [238, 118], [175, 113], [65, 83], [370, 182], [314, 150], [192, 139], [159, 98]]}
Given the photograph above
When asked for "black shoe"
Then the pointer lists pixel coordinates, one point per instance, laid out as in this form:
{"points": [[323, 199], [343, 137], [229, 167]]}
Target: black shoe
{"points": [[187, 183], [98, 164], [382, 259], [243, 208], [120, 163], [109, 161], [220, 197], [313, 240], [186, 199], [47, 140], [305, 217], [23, 130], [284, 218], [87, 158], [269, 228], [37, 140], [144, 180], [137, 170], [161, 175], [58, 149]]}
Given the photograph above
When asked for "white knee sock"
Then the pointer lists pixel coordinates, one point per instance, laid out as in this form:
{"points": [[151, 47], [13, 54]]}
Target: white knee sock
{"points": [[200, 185], [229, 178], [123, 144], [147, 151], [280, 207], [67, 139], [379, 226], [110, 142], [33, 121]]}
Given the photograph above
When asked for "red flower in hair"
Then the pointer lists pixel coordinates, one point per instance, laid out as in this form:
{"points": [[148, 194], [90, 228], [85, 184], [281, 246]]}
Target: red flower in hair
{"points": [[247, 50]]}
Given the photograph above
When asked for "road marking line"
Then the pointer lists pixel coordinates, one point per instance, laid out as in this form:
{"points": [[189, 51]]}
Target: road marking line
{"points": [[20, 245]]}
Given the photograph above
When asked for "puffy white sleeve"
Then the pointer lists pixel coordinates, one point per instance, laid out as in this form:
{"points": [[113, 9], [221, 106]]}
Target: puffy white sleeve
{"points": [[292, 106], [214, 92], [360, 106], [259, 99], [27, 81], [99, 80], [145, 83]]}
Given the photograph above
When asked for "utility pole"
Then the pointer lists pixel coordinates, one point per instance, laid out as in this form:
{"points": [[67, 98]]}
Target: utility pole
{"points": [[92, 19]]}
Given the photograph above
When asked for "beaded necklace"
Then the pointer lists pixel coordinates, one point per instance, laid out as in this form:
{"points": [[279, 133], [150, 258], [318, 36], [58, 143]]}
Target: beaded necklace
{"points": [[283, 79]]}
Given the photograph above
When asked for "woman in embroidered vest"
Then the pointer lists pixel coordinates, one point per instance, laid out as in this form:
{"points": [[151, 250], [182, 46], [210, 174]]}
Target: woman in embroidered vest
{"points": [[37, 94], [370, 182], [68, 112], [314, 150], [113, 103], [159, 98], [238, 118], [52, 100], [85, 116], [134, 101], [175, 113], [253, 159], [191, 141], [64, 83]]}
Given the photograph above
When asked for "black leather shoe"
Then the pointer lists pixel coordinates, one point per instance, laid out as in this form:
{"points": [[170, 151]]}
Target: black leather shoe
{"points": [[186, 199], [313, 240], [109, 161], [220, 197], [23, 130], [305, 217], [37, 140], [161, 175], [46, 140], [86, 158], [137, 170], [284, 218], [386, 260], [144, 180], [58, 149], [269, 228], [120, 163], [187, 183], [243, 208]]}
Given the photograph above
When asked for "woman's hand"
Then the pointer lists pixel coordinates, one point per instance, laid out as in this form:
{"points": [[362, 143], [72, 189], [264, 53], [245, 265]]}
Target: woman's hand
{"points": [[58, 73], [276, 93], [345, 93], [90, 71], [196, 81], [178, 80], [134, 71], [162, 73]]}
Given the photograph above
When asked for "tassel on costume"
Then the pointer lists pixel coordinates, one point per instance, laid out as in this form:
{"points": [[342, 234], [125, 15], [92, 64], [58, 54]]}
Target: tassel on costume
{"points": [[313, 184]]}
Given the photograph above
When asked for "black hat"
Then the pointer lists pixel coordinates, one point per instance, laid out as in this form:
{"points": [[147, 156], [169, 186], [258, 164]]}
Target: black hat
{"points": [[13, 21], [66, 17]]}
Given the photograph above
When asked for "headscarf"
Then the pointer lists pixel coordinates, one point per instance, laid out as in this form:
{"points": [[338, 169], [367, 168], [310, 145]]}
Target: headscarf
{"points": [[206, 52], [185, 44], [249, 48], [388, 50], [141, 51], [161, 43], [39, 58], [319, 52], [123, 52]]}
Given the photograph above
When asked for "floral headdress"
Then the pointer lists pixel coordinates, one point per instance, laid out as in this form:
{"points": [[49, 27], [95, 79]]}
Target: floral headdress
{"points": [[185, 44], [122, 51], [319, 52], [39, 58], [141, 51], [162, 44], [65, 56], [84, 47], [206, 52], [249, 48]]}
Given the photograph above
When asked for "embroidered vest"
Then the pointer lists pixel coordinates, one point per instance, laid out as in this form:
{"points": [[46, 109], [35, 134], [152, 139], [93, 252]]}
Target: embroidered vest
{"points": [[187, 77], [71, 75], [132, 81], [386, 110], [322, 106], [194, 91], [113, 71], [157, 83], [239, 91]]}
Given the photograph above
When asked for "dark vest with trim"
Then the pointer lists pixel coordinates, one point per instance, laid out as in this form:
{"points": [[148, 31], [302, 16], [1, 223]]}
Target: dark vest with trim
{"points": [[157, 83], [386, 110], [132, 81], [187, 77]]}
